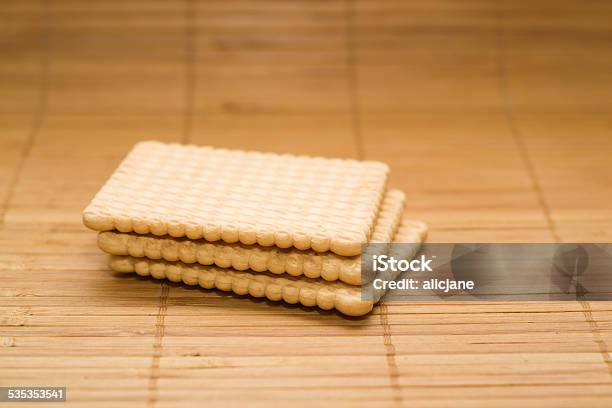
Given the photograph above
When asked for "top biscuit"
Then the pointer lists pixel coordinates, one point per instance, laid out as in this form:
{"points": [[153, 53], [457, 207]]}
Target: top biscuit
{"points": [[238, 196]]}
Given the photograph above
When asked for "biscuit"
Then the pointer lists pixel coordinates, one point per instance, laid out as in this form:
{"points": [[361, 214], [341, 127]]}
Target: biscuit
{"points": [[308, 292], [309, 263], [237, 196]]}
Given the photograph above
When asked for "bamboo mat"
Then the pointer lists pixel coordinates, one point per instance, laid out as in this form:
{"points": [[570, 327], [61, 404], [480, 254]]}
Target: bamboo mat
{"points": [[495, 117]]}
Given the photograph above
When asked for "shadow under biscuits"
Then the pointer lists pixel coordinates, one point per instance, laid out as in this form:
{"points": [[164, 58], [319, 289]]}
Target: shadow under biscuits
{"points": [[246, 301]]}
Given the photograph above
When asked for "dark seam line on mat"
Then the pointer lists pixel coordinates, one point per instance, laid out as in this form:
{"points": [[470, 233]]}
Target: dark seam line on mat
{"points": [[351, 62], [40, 109], [351, 71], [190, 69], [390, 354], [502, 75], [596, 332], [160, 324], [502, 71], [160, 328]]}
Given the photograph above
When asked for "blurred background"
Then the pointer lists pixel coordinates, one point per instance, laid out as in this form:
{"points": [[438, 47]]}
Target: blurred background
{"points": [[494, 115], [496, 120]]}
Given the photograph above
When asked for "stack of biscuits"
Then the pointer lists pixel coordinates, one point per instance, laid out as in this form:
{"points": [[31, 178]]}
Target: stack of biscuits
{"points": [[284, 227]]}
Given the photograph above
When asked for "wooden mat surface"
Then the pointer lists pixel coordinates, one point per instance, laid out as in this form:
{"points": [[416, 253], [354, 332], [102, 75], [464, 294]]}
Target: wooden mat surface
{"points": [[496, 118]]}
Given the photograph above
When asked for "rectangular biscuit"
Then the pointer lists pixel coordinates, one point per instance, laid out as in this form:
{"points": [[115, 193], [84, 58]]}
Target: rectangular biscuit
{"points": [[309, 263], [308, 292], [238, 196]]}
